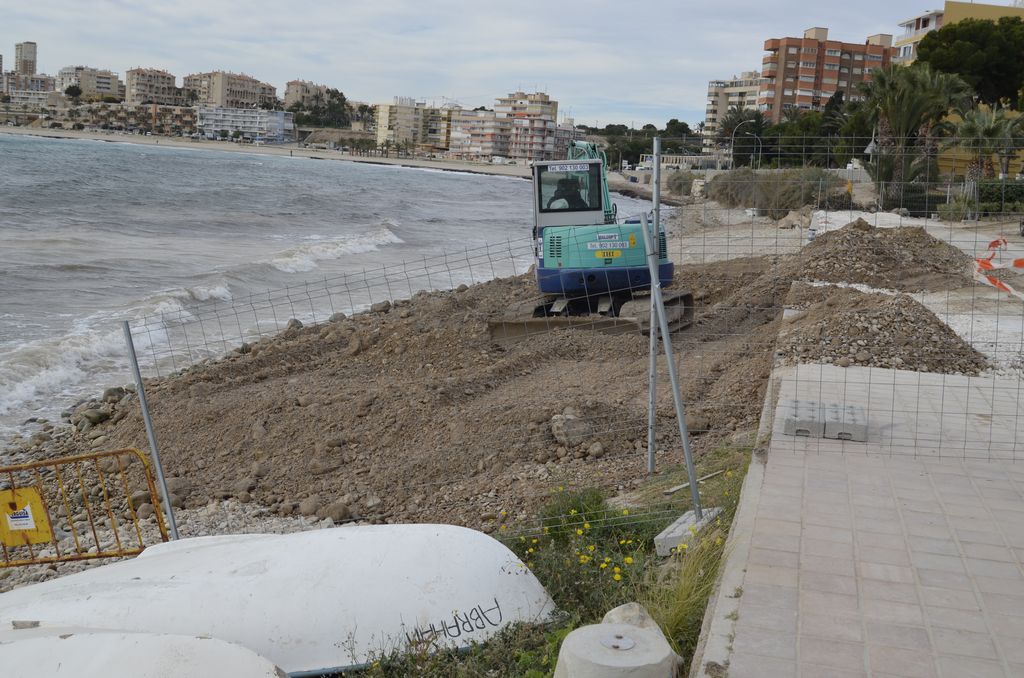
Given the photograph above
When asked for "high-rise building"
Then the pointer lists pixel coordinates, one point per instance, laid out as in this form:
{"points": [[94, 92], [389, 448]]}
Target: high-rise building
{"points": [[534, 121], [304, 93], [152, 86], [95, 84], [803, 73], [915, 28], [479, 135], [220, 89], [25, 58], [407, 121], [252, 124], [738, 92]]}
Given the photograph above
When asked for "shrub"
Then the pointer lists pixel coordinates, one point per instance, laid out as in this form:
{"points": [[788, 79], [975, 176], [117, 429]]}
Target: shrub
{"points": [[956, 210], [681, 183], [1002, 192], [775, 192]]}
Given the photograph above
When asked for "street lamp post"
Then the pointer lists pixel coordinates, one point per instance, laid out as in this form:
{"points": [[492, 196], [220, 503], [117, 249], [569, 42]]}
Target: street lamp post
{"points": [[732, 144], [760, 146]]}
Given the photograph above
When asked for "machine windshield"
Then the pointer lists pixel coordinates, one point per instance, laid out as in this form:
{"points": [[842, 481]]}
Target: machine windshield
{"points": [[570, 187]]}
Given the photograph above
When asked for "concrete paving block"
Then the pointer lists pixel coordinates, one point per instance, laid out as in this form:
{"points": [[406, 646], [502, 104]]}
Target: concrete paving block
{"points": [[845, 422], [803, 418], [680, 532]]}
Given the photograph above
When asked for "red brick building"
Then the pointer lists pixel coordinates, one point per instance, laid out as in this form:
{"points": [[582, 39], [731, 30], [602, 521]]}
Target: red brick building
{"points": [[804, 72]]}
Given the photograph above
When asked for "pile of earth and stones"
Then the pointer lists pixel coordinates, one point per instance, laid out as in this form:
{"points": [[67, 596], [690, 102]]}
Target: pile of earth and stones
{"points": [[409, 412]]}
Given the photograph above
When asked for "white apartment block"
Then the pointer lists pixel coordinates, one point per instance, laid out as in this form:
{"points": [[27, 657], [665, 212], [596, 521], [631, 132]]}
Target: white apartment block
{"points": [[29, 100], [304, 93], [25, 58], [220, 89], [254, 124], [479, 135], [535, 119], [94, 83], [738, 92], [152, 86]]}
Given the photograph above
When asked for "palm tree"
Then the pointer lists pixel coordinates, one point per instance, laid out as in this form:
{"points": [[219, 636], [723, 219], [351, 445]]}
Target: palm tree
{"points": [[986, 132], [905, 105]]}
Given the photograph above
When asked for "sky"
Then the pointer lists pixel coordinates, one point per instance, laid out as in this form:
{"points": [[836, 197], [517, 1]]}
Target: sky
{"points": [[638, 62]]}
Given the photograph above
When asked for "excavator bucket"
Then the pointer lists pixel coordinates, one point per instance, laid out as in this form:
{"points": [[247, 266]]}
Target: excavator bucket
{"points": [[606, 315]]}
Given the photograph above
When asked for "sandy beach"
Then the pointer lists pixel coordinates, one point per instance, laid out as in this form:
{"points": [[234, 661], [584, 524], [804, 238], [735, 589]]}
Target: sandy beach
{"points": [[285, 149]]}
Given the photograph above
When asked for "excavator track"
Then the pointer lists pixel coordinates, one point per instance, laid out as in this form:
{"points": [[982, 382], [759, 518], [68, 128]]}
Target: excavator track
{"points": [[611, 314]]}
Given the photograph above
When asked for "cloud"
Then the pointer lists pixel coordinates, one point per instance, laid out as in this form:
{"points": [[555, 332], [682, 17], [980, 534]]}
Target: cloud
{"points": [[604, 62]]}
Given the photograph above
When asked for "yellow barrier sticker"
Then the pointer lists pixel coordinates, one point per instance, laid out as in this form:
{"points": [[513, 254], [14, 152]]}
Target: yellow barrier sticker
{"points": [[632, 239], [608, 254], [23, 518]]}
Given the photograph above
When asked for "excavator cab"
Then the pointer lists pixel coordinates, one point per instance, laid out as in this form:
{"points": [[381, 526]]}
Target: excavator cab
{"points": [[592, 269]]}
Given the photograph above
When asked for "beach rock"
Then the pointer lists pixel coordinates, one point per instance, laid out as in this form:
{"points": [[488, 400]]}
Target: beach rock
{"points": [[144, 511], [337, 317], [244, 485], [113, 395], [595, 451], [309, 506], [294, 324], [140, 498], [95, 416], [381, 307], [338, 512], [569, 430]]}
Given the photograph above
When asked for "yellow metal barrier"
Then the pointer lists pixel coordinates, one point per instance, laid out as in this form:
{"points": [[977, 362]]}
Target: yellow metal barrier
{"points": [[77, 508]]}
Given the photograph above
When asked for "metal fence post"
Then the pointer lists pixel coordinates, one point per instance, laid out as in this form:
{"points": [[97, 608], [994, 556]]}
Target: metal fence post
{"points": [[652, 384], [150, 433], [666, 341]]}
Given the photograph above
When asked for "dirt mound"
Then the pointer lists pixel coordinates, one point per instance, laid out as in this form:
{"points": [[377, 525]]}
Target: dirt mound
{"points": [[906, 259], [847, 327]]}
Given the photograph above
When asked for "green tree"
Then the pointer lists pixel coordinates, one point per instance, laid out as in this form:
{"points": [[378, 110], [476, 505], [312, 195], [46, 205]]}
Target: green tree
{"points": [[988, 55], [744, 142], [987, 132], [73, 92], [674, 128]]}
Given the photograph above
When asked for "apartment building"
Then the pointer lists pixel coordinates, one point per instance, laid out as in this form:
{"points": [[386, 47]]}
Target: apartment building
{"points": [[914, 29], [221, 89], [253, 124], [737, 92], [33, 100], [479, 135], [535, 119], [304, 93], [12, 81], [152, 86], [564, 133], [804, 72], [25, 58], [406, 121], [96, 84]]}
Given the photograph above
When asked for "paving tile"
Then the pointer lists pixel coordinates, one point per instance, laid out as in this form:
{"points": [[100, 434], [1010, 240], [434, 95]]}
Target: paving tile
{"points": [[780, 619], [962, 667], [966, 643], [881, 572], [776, 542], [960, 620], [828, 549], [931, 561], [887, 590], [942, 547], [1010, 626], [828, 603], [767, 595], [831, 625], [892, 613], [882, 541], [945, 580], [764, 642], [840, 566], [1002, 603], [829, 583], [870, 525], [883, 556], [993, 568], [766, 574], [895, 635], [777, 527], [1011, 648], [755, 666], [1012, 587], [896, 661], [980, 537], [769, 557], [838, 654], [832, 534], [940, 597], [812, 670]]}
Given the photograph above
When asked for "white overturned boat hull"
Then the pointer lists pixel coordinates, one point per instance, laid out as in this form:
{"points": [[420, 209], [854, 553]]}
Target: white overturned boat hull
{"points": [[310, 602], [86, 653]]}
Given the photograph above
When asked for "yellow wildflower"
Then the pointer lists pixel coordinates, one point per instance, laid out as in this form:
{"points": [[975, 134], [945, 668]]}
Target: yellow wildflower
{"points": [[572, 512], [684, 546], [586, 526], [718, 541], [628, 560], [616, 569], [604, 565], [533, 541], [617, 577], [503, 527], [625, 512], [607, 560], [579, 532], [591, 548]]}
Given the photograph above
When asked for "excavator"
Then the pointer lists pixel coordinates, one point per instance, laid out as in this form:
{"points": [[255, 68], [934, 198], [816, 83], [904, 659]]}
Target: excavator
{"points": [[591, 269]]}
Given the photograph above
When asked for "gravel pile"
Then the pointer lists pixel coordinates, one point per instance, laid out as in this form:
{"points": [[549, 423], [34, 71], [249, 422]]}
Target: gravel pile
{"points": [[847, 327]]}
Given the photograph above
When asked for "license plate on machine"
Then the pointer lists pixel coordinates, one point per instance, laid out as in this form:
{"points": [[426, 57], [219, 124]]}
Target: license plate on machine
{"points": [[608, 254]]}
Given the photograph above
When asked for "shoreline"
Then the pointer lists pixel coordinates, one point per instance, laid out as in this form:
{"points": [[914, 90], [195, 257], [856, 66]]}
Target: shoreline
{"points": [[290, 150]]}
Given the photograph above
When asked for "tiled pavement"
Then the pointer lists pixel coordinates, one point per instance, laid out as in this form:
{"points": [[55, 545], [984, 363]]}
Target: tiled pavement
{"points": [[901, 556]]}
